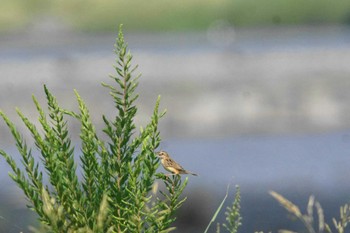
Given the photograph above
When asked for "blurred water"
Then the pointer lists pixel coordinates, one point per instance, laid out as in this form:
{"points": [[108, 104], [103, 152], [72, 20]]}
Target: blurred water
{"points": [[296, 166], [268, 162], [321, 160]]}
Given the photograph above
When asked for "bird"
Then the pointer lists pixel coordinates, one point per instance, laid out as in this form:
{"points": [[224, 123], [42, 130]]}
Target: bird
{"points": [[170, 165]]}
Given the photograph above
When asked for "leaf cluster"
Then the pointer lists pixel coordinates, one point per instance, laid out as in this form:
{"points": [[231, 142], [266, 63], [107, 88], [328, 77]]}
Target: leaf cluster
{"points": [[233, 216], [114, 192]]}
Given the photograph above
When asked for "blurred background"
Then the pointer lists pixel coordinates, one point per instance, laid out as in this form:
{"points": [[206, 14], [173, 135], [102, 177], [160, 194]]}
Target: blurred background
{"points": [[257, 93]]}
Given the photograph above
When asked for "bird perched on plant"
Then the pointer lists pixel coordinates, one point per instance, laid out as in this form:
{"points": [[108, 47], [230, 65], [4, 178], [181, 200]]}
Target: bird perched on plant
{"points": [[170, 165]]}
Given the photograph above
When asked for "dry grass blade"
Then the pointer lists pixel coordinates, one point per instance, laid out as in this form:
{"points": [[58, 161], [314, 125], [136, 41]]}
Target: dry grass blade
{"points": [[289, 206], [328, 228], [310, 209], [286, 231], [218, 210], [320, 214]]}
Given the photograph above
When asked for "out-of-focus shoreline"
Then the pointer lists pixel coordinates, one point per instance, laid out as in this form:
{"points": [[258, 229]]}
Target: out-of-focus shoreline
{"points": [[224, 83]]}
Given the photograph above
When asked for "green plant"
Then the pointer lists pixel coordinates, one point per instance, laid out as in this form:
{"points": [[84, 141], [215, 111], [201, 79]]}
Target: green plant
{"points": [[308, 218], [118, 188], [233, 216]]}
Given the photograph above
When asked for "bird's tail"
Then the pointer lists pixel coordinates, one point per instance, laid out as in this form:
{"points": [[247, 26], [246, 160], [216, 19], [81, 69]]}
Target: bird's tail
{"points": [[193, 174]]}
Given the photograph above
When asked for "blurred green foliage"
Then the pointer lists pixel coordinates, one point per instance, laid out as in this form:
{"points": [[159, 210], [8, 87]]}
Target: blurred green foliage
{"points": [[155, 15]]}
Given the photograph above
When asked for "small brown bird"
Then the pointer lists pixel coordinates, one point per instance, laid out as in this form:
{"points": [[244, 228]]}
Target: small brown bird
{"points": [[170, 165]]}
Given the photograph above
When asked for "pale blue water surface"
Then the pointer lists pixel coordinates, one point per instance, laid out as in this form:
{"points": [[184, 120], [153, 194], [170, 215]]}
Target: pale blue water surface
{"points": [[295, 165]]}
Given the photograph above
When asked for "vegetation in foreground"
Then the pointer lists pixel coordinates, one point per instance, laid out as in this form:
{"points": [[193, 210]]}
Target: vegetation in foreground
{"points": [[120, 189]]}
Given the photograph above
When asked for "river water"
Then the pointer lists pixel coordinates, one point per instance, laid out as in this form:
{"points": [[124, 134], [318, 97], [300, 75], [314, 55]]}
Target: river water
{"points": [[296, 166]]}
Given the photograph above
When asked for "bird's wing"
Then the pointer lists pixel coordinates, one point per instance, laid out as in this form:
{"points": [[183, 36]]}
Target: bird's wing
{"points": [[175, 165]]}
